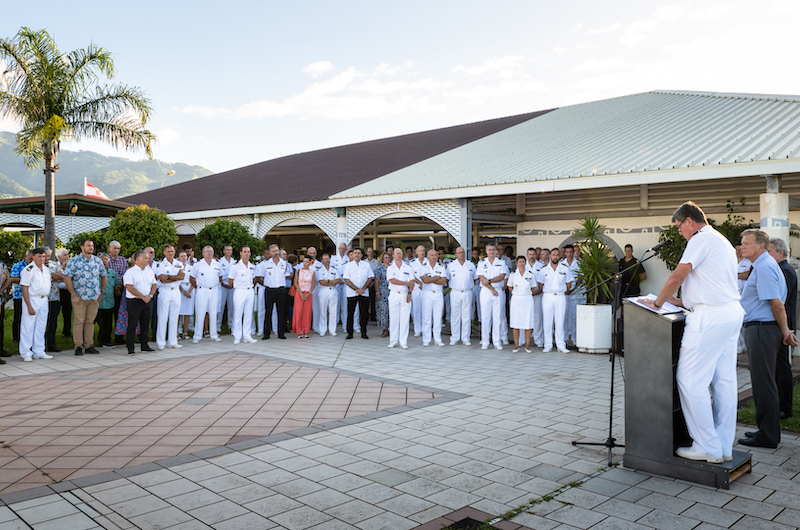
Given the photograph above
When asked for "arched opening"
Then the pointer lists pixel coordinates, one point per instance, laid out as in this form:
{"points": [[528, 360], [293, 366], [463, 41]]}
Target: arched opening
{"points": [[297, 234], [405, 229]]}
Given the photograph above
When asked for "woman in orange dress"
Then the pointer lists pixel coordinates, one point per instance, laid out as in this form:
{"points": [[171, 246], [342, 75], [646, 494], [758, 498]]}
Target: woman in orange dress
{"points": [[304, 283]]}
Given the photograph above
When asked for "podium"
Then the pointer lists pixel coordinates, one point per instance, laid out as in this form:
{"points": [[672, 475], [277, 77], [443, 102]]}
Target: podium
{"points": [[654, 422]]}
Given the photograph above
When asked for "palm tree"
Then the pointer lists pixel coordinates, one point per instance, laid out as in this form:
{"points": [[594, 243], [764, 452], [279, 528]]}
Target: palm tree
{"points": [[55, 97]]}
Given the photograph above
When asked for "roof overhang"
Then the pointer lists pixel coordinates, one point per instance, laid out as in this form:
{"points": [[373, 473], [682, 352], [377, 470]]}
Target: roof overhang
{"points": [[87, 206], [688, 175]]}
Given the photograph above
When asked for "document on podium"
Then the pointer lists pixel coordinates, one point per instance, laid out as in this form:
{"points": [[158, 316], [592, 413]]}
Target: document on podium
{"points": [[666, 309]]}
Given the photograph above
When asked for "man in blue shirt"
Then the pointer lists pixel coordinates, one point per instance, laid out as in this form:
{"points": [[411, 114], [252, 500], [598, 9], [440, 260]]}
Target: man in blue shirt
{"points": [[86, 279], [765, 328]]}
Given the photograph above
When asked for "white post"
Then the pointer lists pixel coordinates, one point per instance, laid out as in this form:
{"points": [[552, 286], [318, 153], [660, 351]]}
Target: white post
{"points": [[341, 230], [774, 209]]}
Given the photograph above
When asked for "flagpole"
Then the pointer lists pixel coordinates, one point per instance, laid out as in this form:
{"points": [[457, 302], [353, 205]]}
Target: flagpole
{"points": [[84, 186]]}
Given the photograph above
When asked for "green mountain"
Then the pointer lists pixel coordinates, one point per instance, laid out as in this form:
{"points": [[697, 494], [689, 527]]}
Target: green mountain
{"points": [[115, 176]]}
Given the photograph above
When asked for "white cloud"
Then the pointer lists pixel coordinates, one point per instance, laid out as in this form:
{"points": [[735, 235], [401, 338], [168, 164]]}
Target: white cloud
{"points": [[669, 13], [593, 65], [638, 32], [202, 110], [601, 31], [319, 68], [505, 66], [167, 136], [386, 69]]}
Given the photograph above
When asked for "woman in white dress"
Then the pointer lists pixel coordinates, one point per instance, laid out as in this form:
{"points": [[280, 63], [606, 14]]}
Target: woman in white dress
{"points": [[522, 284], [187, 294]]}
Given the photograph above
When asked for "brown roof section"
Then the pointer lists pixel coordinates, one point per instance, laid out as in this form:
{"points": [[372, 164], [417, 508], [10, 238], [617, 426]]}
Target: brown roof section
{"points": [[317, 175], [87, 206]]}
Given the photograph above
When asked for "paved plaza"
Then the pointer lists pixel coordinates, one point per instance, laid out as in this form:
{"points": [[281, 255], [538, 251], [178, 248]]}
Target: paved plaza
{"points": [[331, 434]]}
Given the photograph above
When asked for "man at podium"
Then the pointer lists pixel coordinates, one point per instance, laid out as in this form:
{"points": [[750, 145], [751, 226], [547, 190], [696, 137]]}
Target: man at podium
{"points": [[707, 275]]}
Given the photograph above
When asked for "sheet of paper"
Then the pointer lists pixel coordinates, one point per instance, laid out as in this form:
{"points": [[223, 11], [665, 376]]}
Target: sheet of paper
{"points": [[666, 309]]}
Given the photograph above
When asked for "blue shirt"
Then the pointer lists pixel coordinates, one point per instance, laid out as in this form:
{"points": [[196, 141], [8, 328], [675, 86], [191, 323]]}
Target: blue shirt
{"points": [[86, 274], [16, 269], [765, 283]]}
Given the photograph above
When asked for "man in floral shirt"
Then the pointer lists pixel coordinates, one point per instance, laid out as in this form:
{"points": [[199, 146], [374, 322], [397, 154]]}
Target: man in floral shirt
{"points": [[86, 280]]}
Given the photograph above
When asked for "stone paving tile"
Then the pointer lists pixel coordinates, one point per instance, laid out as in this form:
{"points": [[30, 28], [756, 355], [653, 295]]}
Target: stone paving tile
{"points": [[354, 511]]}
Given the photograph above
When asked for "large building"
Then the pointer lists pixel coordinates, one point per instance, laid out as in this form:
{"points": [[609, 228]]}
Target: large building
{"points": [[524, 180]]}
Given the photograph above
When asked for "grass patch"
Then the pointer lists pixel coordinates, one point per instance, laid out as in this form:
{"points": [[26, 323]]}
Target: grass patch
{"points": [[747, 415]]}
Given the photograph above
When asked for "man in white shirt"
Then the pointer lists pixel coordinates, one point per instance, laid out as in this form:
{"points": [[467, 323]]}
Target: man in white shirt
{"points": [[153, 264], [339, 260], [273, 276], [327, 291], [418, 266], [140, 286], [205, 277], [225, 292], [555, 281], [462, 280], [35, 283], [400, 277], [170, 275], [575, 298], [537, 324], [434, 281], [357, 278], [493, 275], [241, 278]]}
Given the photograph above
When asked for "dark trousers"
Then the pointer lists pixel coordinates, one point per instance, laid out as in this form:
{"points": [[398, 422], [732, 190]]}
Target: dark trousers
{"points": [[278, 296], [153, 303], [52, 324], [66, 312], [138, 313], [105, 318], [763, 343], [372, 315], [363, 307], [783, 378], [17, 319]]}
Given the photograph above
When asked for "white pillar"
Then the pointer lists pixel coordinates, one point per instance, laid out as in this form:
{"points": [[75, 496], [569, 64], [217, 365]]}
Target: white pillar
{"points": [[341, 230], [774, 209]]}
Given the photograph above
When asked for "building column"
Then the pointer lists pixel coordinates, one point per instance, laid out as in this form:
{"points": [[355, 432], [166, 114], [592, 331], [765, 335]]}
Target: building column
{"points": [[465, 237], [774, 209], [341, 227]]}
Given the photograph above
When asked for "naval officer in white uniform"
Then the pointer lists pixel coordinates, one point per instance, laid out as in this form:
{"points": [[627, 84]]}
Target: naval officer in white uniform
{"points": [[206, 277], [462, 280], [327, 292], [170, 274], [241, 280], [555, 281], [434, 280], [34, 280], [493, 274], [400, 277]]}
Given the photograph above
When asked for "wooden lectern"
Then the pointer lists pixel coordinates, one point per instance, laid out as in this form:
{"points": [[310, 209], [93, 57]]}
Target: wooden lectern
{"points": [[654, 422]]}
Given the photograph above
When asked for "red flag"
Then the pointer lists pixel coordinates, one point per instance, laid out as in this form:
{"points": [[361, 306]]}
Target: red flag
{"points": [[90, 190]]}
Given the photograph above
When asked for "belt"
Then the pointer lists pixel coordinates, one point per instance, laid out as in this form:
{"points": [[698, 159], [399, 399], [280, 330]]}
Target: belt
{"points": [[166, 289], [400, 292], [276, 288], [556, 294], [759, 323], [244, 288], [460, 290]]}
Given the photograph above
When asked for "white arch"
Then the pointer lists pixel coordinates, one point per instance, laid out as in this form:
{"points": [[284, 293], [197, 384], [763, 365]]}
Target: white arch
{"points": [[445, 213], [325, 220]]}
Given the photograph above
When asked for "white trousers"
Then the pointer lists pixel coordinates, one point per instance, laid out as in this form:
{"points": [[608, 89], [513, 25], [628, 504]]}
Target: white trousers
{"points": [[553, 308], [537, 324], [316, 310], [571, 315], [225, 298], [262, 309], [32, 327], [328, 298], [169, 309], [416, 309], [460, 312], [708, 358], [432, 310], [399, 314], [476, 302], [448, 311], [206, 301], [493, 309], [242, 310]]}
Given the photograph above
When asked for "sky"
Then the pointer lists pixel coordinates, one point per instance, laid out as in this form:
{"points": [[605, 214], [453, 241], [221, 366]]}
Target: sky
{"points": [[240, 82]]}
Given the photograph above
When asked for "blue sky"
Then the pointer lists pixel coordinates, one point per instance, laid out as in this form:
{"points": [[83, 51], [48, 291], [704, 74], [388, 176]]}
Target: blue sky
{"points": [[236, 83]]}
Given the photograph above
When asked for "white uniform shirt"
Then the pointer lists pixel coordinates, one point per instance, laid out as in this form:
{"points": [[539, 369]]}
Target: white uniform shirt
{"points": [[187, 271], [555, 280], [462, 277], [522, 284], [329, 274], [536, 267], [339, 262], [37, 281], [712, 280], [744, 266], [141, 279], [207, 275], [274, 274], [226, 266], [242, 275], [436, 271], [404, 274], [169, 269], [574, 269], [510, 263], [418, 268], [493, 270], [358, 273]]}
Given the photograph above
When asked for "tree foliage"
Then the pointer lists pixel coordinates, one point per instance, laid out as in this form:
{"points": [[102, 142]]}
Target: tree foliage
{"points": [[99, 238], [138, 227], [13, 245], [595, 265], [224, 232]]}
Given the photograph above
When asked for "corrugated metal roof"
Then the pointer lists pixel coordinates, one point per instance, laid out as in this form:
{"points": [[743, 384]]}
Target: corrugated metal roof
{"points": [[653, 131]]}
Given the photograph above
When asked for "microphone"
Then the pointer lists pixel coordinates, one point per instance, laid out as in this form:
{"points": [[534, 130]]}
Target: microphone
{"points": [[660, 245]]}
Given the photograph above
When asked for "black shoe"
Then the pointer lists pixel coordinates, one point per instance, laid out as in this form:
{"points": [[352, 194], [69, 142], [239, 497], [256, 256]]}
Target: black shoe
{"points": [[91, 349], [2, 361], [131, 353], [108, 345], [6, 354], [757, 441], [78, 351], [265, 337], [147, 348], [751, 434], [349, 336], [282, 337], [53, 349], [364, 336]]}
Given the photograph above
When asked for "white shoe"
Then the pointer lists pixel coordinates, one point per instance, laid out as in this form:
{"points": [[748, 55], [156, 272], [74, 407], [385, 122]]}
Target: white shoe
{"points": [[505, 342], [195, 341], [499, 347], [547, 350], [484, 346], [236, 341], [404, 346], [426, 345], [727, 458], [392, 345], [440, 344], [417, 334], [515, 350], [454, 344], [690, 453], [160, 347], [176, 346], [527, 350], [540, 345], [42, 356], [27, 359], [216, 339], [251, 340], [467, 343], [564, 350], [333, 333]]}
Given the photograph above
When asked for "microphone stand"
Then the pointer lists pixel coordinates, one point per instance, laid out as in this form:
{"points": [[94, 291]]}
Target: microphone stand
{"points": [[616, 349]]}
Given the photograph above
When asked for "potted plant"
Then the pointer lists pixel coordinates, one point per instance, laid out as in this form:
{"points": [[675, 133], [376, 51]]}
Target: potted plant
{"points": [[595, 322]]}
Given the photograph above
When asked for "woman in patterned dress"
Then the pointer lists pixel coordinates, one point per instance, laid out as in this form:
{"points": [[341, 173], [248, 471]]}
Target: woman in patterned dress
{"points": [[382, 296]]}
